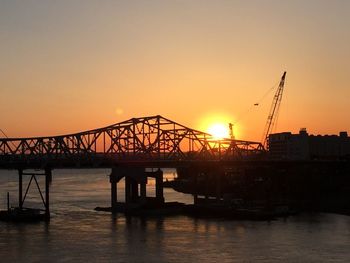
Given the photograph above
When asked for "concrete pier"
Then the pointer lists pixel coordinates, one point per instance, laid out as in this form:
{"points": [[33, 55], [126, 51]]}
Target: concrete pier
{"points": [[206, 180], [136, 180]]}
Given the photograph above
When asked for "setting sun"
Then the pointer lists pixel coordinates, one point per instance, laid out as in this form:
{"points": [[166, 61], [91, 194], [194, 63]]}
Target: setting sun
{"points": [[219, 130], [217, 124]]}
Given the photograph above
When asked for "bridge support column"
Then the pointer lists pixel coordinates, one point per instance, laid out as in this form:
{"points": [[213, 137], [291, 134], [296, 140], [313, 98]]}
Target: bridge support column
{"points": [[20, 189], [127, 189], [159, 186], [195, 187], [143, 191], [207, 186], [113, 180], [48, 180], [134, 190], [116, 175], [218, 185]]}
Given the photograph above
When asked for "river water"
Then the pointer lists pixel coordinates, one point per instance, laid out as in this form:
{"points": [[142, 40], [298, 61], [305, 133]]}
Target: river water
{"points": [[77, 233]]}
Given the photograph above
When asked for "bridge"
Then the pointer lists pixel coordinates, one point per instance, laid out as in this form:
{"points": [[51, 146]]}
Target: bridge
{"points": [[153, 140], [128, 148]]}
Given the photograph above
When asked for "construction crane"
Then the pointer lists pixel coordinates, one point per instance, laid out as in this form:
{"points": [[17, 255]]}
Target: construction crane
{"points": [[230, 127], [273, 115]]}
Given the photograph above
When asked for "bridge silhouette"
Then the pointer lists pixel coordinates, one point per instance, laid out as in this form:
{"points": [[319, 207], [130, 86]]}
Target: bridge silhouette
{"points": [[127, 148], [153, 140]]}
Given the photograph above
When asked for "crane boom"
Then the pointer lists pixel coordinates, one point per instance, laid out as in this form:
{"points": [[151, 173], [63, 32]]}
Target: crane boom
{"points": [[273, 115]]}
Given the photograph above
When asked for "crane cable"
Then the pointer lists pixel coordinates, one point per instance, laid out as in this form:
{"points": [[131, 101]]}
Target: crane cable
{"points": [[241, 116]]}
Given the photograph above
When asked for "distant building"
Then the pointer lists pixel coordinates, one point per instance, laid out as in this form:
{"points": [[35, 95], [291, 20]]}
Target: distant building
{"points": [[302, 146]]}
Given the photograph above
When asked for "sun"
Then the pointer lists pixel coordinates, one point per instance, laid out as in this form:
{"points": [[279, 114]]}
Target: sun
{"points": [[219, 131], [217, 125]]}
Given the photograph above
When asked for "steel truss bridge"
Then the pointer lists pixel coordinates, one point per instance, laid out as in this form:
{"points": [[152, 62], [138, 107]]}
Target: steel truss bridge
{"points": [[151, 140]]}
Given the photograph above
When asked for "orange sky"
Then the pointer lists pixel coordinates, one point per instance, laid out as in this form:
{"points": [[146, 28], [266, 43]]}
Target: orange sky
{"points": [[68, 66]]}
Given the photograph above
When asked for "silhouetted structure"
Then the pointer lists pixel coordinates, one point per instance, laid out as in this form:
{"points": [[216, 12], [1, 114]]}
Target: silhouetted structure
{"points": [[302, 146], [128, 148], [219, 170], [146, 140]]}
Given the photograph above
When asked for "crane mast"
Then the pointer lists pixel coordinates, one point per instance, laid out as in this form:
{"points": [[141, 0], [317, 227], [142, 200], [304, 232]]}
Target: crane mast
{"points": [[230, 127], [273, 115]]}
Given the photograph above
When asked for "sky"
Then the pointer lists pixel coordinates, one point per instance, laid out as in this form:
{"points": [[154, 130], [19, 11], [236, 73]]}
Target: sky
{"points": [[73, 65]]}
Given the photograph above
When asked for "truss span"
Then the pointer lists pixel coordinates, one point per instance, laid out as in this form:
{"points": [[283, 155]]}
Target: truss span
{"points": [[145, 139]]}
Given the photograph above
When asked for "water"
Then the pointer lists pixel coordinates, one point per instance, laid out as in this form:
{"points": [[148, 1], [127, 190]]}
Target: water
{"points": [[77, 233]]}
